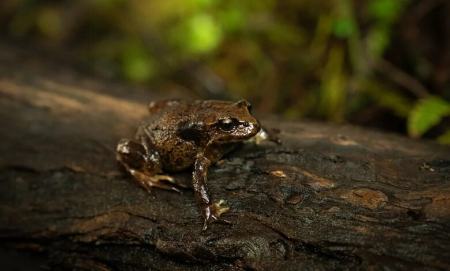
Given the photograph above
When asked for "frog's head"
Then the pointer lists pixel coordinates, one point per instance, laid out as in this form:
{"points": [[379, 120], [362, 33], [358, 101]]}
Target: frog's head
{"points": [[233, 122], [219, 122]]}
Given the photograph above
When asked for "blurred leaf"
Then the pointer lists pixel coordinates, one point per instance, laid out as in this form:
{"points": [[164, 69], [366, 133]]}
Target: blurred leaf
{"points": [[388, 98], [321, 35], [385, 13], [137, 65], [205, 3], [204, 34], [427, 113], [385, 10], [445, 138], [199, 34], [377, 41], [332, 91], [167, 13], [50, 23], [232, 19], [344, 27], [106, 3], [284, 34]]}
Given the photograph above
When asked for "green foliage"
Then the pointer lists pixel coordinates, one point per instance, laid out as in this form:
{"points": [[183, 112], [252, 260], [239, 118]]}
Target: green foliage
{"points": [[299, 58], [333, 86], [232, 19], [49, 22], [388, 98], [199, 34], [445, 138], [426, 114], [344, 27], [386, 11], [106, 4], [137, 65]]}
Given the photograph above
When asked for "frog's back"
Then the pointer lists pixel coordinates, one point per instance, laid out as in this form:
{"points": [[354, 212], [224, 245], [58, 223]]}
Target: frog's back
{"points": [[161, 127], [157, 106], [165, 114], [168, 114]]}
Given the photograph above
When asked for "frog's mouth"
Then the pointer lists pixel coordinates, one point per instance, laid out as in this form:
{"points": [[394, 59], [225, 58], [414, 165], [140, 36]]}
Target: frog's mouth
{"points": [[249, 129]]}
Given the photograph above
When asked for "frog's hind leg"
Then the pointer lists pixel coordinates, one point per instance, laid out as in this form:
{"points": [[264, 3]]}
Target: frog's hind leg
{"points": [[143, 164]]}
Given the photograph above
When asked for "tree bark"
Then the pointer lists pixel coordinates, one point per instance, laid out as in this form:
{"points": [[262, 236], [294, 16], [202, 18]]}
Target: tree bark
{"points": [[329, 197]]}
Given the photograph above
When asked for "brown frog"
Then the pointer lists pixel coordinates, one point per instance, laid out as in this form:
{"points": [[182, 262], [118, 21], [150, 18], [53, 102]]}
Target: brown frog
{"points": [[180, 134]]}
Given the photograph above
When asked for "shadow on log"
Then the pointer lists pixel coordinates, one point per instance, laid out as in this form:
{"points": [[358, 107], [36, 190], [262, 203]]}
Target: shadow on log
{"points": [[330, 197]]}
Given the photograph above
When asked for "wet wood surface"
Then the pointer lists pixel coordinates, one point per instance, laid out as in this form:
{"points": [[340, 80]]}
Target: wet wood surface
{"points": [[329, 197]]}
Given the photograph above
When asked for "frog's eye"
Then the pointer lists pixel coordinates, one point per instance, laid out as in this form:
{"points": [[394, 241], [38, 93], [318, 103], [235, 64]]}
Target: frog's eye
{"points": [[226, 124]]}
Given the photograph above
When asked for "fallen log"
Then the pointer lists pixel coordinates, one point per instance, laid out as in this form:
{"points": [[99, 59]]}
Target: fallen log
{"points": [[329, 197]]}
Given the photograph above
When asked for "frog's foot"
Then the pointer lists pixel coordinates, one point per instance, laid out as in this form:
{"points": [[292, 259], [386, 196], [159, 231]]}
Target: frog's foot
{"points": [[160, 181], [213, 212]]}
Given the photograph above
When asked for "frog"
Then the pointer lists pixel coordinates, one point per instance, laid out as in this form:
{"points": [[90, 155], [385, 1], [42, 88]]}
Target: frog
{"points": [[178, 135]]}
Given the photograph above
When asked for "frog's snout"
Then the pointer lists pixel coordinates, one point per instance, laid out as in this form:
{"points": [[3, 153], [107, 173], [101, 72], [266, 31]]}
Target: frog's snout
{"points": [[252, 127]]}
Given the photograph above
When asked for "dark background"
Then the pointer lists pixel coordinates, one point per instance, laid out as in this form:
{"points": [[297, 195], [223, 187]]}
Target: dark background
{"points": [[378, 63]]}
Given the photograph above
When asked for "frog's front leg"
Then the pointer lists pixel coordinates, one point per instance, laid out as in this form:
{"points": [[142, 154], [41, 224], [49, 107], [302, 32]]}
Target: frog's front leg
{"points": [[211, 211], [143, 164]]}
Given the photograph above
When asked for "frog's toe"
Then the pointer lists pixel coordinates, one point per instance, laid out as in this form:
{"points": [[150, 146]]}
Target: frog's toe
{"points": [[213, 213], [165, 178], [164, 182], [218, 208], [160, 181], [170, 179]]}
